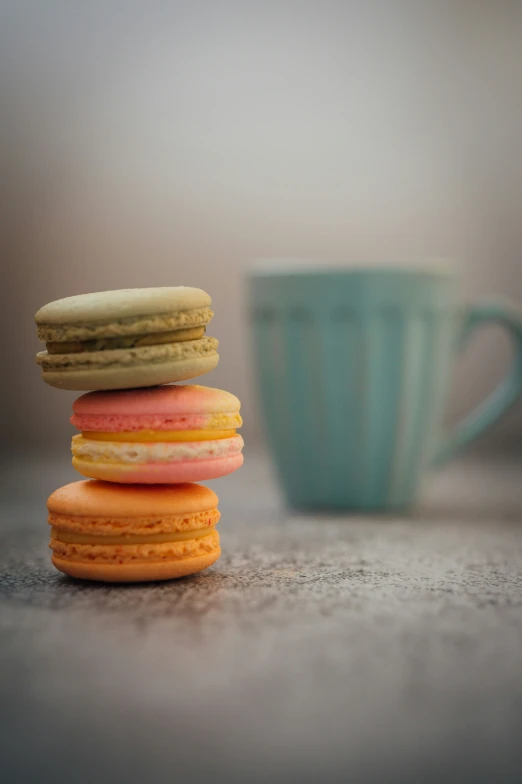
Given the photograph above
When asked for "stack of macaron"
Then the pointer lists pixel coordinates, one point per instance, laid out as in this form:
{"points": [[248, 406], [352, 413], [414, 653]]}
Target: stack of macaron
{"points": [[143, 441]]}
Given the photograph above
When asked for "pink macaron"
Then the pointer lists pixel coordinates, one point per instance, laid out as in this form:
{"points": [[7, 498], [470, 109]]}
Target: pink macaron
{"points": [[166, 434]]}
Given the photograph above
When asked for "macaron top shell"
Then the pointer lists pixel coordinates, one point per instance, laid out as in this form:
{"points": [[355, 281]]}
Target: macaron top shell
{"points": [[182, 407], [92, 498], [123, 313], [121, 303]]}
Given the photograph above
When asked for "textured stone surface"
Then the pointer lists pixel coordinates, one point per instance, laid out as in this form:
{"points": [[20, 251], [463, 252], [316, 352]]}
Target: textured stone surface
{"points": [[318, 649]]}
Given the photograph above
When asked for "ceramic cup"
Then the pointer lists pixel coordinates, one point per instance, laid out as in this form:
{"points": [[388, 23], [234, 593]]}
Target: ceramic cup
{"points": [[353, 369]]}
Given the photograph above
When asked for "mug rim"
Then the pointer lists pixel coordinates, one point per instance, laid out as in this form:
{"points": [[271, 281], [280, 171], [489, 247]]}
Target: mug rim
{"points": [[268, 268]]}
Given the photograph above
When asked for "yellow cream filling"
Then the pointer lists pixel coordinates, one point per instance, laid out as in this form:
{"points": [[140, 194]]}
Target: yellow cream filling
{"points": [[172, 536], [160, 436]]}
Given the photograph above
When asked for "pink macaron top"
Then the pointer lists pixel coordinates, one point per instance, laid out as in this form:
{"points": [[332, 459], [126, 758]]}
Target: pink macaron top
{"points": [[171, 407]]}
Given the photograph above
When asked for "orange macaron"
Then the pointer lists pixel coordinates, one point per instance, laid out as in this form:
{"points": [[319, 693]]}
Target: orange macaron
{"points": [[104, 531]]}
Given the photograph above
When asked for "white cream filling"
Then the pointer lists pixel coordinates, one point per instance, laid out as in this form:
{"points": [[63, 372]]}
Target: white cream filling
{"points": [[153, 452]]}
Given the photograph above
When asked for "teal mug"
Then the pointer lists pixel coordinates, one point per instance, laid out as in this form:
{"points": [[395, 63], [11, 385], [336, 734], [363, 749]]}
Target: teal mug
{"points": [[353, 370]]}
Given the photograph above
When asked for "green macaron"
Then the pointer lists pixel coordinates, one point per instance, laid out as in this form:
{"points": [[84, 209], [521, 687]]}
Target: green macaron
{"points": [[126, 338]]}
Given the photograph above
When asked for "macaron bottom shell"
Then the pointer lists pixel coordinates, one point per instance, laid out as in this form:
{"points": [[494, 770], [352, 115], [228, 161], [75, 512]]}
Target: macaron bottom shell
{"points": [[135, 572], [131, 376], [159, 473]]}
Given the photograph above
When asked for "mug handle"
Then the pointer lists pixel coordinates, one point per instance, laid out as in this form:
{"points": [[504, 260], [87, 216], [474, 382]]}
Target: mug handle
{"points": [[510, 317]]}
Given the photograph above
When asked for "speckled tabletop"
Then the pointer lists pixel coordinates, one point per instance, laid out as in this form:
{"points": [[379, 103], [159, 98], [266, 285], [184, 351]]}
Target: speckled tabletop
{"points": [[318, 649]]}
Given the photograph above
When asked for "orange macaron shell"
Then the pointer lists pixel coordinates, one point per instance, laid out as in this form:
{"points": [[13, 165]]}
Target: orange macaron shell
{"points": [[135, 573], [103, 531]]}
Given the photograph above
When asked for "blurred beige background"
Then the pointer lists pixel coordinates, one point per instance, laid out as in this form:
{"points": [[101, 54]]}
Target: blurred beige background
{"points": [[166, 143]]}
